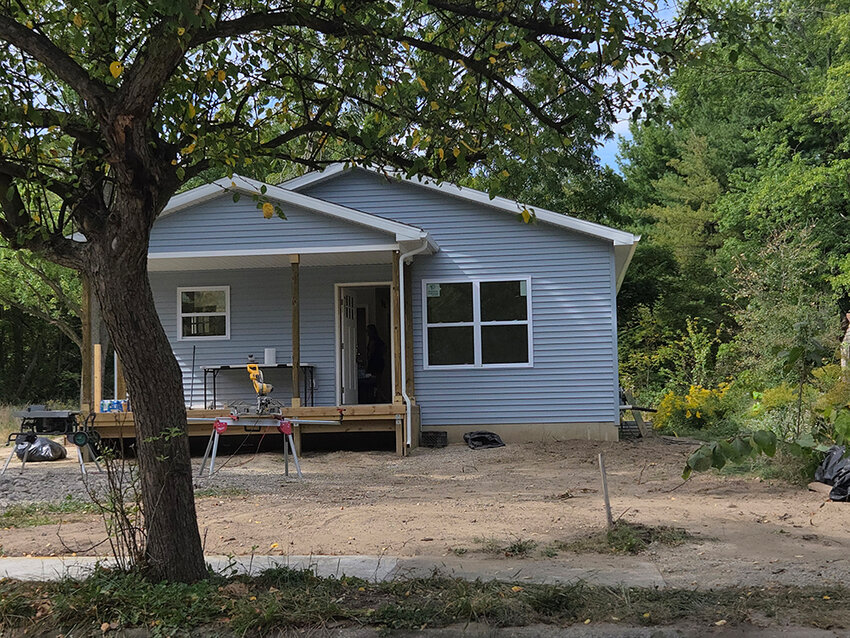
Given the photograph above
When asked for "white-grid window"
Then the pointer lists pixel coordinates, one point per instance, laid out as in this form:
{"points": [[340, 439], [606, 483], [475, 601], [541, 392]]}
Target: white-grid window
{"points": [[203, 312], [477, 323]]}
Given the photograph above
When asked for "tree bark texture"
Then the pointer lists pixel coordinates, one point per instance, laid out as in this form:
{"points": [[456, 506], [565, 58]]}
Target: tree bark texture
{"points": [[117, 273]]}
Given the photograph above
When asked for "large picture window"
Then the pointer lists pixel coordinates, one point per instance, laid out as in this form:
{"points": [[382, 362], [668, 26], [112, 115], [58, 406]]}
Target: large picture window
{"points": [[478, 323], [203, 312]]}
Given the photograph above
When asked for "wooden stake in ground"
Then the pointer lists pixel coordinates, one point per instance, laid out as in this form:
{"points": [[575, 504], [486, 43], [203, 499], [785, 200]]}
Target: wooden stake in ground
{"points": [[609, 518]]}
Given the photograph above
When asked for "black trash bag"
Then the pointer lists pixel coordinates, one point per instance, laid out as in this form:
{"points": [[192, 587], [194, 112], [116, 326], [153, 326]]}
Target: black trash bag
{"points": [[841, 485], [832, 464], [38, 448], [482, 440]]}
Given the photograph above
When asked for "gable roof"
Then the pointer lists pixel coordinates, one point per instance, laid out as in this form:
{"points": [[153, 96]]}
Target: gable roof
{"points": [[624, 242], [245, 185]]}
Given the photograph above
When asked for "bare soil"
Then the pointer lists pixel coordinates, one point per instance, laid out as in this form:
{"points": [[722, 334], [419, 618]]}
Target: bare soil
{"points": [[459, 501]]}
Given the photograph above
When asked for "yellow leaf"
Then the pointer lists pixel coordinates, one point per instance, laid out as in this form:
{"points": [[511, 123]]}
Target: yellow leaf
{"points": [[30, 25], [526, 216], [435, 106], [192, 110], [181, 31], [440, 153], [78, 21], [221, 75], [516, 588], [406, 46], [504, 174], [501, 45], [268, 213], [380, 89], [507, 126], [342, 8], [422, 83], [273, 546], [456, 151], [116, 68], [209, 74], [492, 60]]}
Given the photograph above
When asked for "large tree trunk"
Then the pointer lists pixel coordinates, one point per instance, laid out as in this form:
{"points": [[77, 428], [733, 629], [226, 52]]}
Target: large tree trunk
{"points": [[156, 393]]}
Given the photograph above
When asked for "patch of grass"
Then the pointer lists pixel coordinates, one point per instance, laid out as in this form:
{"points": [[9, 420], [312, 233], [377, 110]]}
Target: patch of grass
{"points": [[549, 551], [220, 492], [282, 599], [489, 545], [459, 551], [628, 538], [519, 548], [35, 514]]}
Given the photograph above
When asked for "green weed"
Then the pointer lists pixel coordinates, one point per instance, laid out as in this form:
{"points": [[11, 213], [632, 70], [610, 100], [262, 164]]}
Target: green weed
{"points": [[35, 514], [627, 538], [220, 492]]}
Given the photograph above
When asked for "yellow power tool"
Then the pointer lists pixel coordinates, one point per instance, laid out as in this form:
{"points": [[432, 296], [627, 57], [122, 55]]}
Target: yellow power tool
{"points": [[262, 389]]}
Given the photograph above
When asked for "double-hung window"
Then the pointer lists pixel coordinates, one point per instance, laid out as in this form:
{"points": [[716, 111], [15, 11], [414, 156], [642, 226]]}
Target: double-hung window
{"points": [[203, 312], [478, 323]]}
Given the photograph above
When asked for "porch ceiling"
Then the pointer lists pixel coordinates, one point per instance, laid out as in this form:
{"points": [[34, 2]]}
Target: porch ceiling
{"points": [[234, 260]]}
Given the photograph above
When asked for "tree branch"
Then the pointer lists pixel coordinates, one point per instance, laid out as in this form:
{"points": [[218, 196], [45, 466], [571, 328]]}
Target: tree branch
{"points": [[42, 49], [67, 301]]}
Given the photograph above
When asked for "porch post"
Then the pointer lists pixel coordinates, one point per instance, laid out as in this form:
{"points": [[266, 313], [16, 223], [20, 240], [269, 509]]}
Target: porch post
{"points": [[397, 319], [120, 382], [86, 399], [295, 264]]}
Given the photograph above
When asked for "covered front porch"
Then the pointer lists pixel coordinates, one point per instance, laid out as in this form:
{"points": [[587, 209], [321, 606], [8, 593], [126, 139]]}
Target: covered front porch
{"points": [[310, 305]]}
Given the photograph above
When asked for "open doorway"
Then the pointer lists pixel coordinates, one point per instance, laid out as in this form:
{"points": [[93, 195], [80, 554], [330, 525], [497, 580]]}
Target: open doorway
{"points": [[365, 374]]}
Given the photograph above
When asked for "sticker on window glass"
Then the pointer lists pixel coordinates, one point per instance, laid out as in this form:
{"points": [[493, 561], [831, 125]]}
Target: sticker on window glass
{"points": [[523, 288], [432, 290]]}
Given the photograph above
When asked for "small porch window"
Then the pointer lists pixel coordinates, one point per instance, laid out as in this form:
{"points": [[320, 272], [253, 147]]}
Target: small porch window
{"points": [[203, 313], [479, 323]]}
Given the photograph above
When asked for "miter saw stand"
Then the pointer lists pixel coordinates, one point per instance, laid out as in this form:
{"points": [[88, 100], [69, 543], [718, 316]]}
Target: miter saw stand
{"points": [[268, 413]]}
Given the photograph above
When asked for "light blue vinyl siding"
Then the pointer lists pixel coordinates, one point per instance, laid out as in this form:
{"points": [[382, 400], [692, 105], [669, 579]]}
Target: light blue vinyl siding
{"points": [[574, 376], [261, 318], [221, 224]]}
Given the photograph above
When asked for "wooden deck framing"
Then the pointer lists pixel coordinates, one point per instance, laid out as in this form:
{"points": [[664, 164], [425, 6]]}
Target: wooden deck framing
{"points": [[356, 418]]}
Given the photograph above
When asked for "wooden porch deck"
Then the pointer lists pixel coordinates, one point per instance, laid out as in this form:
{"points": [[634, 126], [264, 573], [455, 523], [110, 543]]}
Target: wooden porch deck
{"points": [[355, 418]]}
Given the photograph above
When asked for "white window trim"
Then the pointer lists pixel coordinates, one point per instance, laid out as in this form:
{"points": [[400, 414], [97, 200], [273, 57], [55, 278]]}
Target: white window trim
{"points": [[476, 324], [181, 314]]}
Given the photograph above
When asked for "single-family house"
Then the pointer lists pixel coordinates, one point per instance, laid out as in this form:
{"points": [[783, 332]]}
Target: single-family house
{"points": [[405, 303]]}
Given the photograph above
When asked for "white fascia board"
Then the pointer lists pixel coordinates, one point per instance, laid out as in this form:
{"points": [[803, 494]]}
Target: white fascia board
{"points": [[618, 237], [313, 177]]}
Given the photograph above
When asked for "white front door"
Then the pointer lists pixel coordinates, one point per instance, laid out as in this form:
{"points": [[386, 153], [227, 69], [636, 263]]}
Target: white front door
{"points": [[348, 348]]}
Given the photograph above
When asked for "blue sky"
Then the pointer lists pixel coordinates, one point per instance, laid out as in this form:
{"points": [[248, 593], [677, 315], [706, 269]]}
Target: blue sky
{"points": [[607, 151]]}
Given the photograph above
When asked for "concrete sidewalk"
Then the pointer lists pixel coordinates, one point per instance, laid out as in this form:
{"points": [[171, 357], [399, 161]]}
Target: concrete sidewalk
{"points": [[597, 571]]}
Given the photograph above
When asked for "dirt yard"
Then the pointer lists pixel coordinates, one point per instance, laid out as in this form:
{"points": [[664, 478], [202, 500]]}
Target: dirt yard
{"points": [[458, 501]]}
